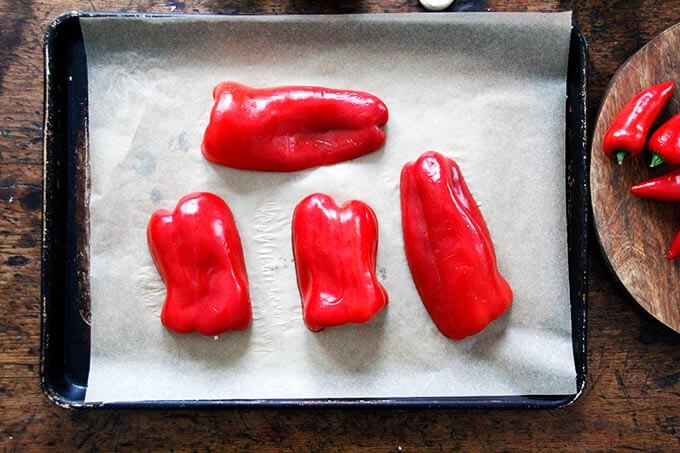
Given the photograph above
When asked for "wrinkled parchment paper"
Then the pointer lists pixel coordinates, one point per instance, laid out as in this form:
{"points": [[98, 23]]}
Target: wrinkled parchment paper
{"points": [[485, 89]]}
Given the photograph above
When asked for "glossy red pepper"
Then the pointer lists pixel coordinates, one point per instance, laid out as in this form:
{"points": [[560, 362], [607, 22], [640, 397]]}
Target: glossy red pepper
{"points": [[665, 143], [665, 187], [197, 251], [335, 252], [292, 127], [628, 132], [449, 248], [674, 251]]}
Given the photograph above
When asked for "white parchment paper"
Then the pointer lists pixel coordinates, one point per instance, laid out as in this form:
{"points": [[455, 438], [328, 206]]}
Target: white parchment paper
{"points": [[486, 89]]}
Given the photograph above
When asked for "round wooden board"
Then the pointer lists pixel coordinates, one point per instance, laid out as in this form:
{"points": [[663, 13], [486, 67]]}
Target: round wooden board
{"points": [[635, 233]]}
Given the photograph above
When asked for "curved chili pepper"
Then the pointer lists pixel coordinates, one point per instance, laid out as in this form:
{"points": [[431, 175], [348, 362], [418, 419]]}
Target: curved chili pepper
{"points": [[665, 187], [674, 251], [335, 252], [198, 253], [291, 128], [665, 143], [628, 132], [449, 248]]}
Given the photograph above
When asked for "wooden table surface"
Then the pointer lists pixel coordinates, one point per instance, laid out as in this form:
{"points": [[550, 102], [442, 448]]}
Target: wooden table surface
{"points": [[632, 399]]}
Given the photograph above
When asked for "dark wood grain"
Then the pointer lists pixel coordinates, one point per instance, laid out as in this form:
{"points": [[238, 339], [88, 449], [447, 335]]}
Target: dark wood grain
{"points": [[632, 399], [636, 232]]}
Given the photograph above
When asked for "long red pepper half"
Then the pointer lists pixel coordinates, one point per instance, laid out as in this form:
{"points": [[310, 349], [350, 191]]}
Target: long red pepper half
{"points": [[628, 132], [665, 187], [449, 248], [335, 252], [292, 127], [197, 251], [674, 251], [665, 143]]}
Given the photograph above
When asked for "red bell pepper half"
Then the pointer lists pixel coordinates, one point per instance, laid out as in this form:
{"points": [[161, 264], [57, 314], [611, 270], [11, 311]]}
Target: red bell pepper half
{"points": [[197, 251], [628, 132], [449, 248], [335, 253], [292, 127], [665, 187], [665, 143]]}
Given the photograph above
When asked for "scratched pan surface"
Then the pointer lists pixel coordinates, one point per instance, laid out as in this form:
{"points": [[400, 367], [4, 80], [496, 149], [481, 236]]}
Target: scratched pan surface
{"points": [[65, 346]]}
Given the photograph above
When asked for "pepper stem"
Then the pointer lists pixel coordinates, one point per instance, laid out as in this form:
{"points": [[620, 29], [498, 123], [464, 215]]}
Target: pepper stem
{"points": [[620, 155], [656, 160]]}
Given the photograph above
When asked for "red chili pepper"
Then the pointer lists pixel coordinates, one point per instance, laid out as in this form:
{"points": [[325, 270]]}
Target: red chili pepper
{"points": [[665, 143], [335, 252], [291, 128], [449, 248], [198, 253], [665, 187], [674, 251], [628, 132]]}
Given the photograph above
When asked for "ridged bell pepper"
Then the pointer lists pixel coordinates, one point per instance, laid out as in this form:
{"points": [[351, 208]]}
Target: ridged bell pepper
{"points": [[335, 255], [197, 251], [665, 187], [628, 132], [665, 143], [292, 127], [449, 248]]}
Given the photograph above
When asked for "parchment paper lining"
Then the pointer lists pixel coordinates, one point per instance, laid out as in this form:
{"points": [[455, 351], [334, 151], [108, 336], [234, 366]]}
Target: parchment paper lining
{"points": [[486, 89]]}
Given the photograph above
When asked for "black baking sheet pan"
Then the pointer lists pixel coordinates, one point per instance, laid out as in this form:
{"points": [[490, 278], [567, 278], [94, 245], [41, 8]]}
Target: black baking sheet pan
{"points": [[65, 340]]}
